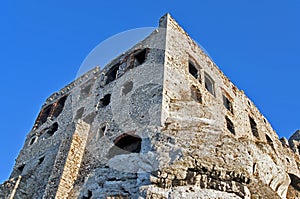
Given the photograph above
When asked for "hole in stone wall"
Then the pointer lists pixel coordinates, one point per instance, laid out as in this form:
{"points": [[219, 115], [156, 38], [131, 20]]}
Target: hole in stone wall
{"points": [[88, 195], [111, 75], [45, 113], [104, 101], [52, 129], [254, 168], [227, 103], [130, 143], [193, 70], [140, 57], [230, 125], [32, 141], [209, 84], [195, 94], [125, 144], [298, 147], [59, 106], [253, 127], [41, 160], [295, 181], [269, 140], [21, 168], [102, 130]]}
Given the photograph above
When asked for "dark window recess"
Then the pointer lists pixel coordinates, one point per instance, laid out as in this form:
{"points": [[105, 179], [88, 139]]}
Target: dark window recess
{"points": [[230, 125], [227, 103], [195, 94], [52, 130], [59, 106], [140, 57], [32, 141], [102, 130], [21, 168], [295, 181], [111, 75], [269, 140], [45, 113], [104, 101], [130, 143], [253, 127], [193, 70], [41, 160], [88, 195], [209, 84]]}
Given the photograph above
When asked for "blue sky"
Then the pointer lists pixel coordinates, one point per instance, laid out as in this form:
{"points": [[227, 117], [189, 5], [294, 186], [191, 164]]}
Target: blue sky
{"points": [[256, 44]]}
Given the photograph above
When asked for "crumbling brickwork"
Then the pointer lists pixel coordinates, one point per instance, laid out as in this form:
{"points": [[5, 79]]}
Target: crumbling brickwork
{"points": [[159, 121]]}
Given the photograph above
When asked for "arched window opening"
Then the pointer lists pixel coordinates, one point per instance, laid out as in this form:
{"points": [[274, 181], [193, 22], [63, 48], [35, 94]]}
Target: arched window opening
{"points": [[140, 57], [59, 106], [45, 113], [128, 142]]}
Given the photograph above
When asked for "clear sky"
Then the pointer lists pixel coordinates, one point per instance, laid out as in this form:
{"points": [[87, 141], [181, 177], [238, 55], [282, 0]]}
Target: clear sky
{"points": [[43, 43]]}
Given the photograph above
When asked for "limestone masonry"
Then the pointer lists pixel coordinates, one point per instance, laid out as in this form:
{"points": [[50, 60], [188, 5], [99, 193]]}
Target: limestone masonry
{"points": [[159, 121]]}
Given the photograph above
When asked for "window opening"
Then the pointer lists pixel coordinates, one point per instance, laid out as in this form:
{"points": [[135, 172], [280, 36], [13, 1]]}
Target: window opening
{"points": [[140, 58], [59, 106], [253, 127], [269, 140], [209, 84], [227, 103], [112, 74], [130, 143], [104, 101], [52, 129], [193, 70], [44, 115], [32, 141], [230, 125], [21, 168], [41, 160]]}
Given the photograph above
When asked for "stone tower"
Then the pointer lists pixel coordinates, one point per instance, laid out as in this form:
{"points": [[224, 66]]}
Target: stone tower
{"points": [[159, 121]]}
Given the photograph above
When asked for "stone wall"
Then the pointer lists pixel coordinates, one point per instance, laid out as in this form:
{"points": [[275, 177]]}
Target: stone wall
{"points": [[159, 121]]}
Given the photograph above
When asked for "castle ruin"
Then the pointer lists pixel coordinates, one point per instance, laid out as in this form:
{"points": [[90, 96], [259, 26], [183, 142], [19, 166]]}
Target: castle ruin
{"points": [[159, 121]]}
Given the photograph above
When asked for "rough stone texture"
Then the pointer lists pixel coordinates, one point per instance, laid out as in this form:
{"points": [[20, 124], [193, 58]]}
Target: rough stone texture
{"points": [[159, 121]]}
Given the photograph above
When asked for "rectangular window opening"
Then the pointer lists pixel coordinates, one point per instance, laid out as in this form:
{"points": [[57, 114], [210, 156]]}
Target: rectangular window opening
{"points": [[140, 57], [193, 70], [230, 125], [209, 84], [227, 103], [111, 75], [253, 127]]}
